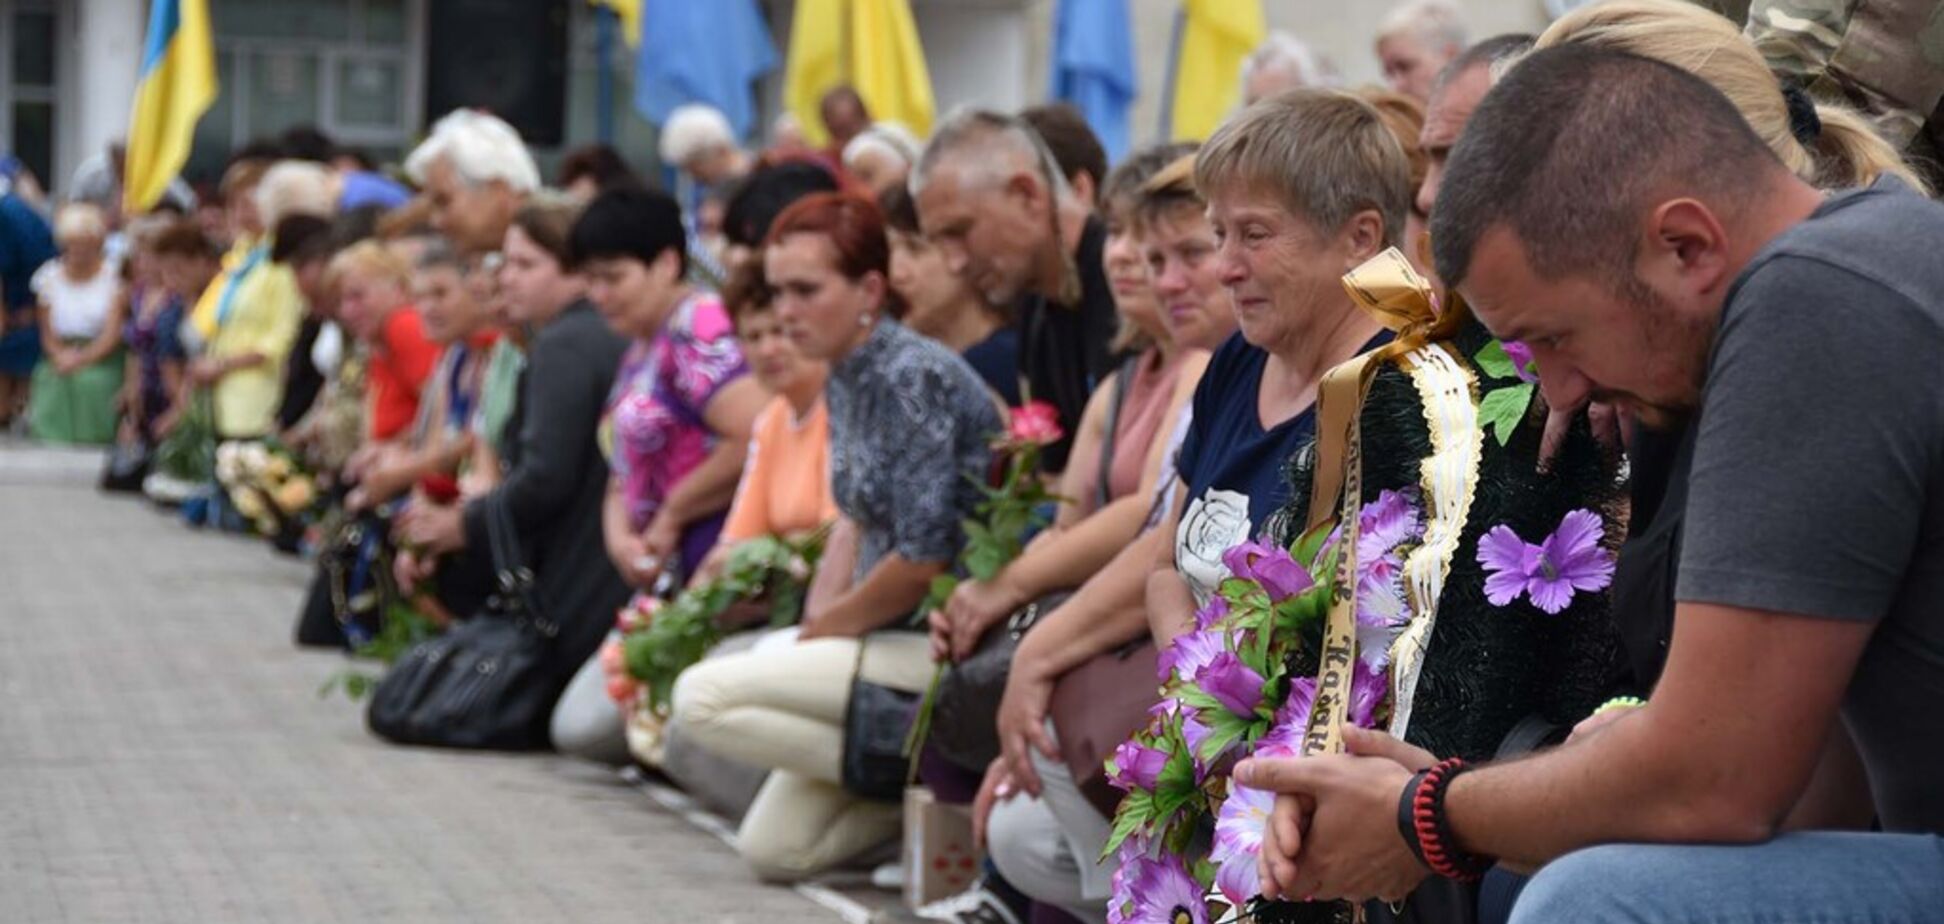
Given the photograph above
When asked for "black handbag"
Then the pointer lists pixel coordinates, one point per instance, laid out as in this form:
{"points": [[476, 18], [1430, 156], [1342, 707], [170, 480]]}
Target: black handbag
{"points": [[877, 720], [965, 727], [486, 683]]}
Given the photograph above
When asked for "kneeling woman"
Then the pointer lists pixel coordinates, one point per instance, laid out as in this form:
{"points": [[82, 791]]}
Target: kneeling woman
{"points": [[909, 422]]}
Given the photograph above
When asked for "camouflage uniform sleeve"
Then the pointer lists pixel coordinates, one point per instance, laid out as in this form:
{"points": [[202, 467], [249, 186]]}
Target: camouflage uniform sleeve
{"points": [[1884, 56]]}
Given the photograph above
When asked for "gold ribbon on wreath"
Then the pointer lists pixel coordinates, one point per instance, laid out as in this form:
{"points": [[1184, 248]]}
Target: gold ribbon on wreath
{"points": [[1390, 290]]}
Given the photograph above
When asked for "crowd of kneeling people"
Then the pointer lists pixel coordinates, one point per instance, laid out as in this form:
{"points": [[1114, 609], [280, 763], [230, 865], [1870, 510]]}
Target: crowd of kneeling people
{"points": [[1636, 209]]}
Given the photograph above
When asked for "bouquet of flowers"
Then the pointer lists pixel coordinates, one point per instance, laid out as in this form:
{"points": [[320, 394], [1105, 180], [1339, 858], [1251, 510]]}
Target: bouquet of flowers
{"points": [[660, 640], [267, 485], [1230, 692], [1004, 518]]}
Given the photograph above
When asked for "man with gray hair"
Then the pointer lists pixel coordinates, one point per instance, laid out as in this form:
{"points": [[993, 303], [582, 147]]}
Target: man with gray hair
{"points": [[993, 199], [1416, 41], [477, 173], [1460, 87], [1284, 62]]}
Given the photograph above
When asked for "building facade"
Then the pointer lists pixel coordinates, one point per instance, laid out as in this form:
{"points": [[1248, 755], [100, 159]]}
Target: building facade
{"points": [[358, 68]]}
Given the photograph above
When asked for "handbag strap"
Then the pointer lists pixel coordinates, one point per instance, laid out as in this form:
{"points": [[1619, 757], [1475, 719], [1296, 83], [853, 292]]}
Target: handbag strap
{"points": [[1103, 493], [516, 582]]}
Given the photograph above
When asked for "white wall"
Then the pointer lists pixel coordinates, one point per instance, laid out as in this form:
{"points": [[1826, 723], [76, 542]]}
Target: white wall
{"points": [[101, 55]]}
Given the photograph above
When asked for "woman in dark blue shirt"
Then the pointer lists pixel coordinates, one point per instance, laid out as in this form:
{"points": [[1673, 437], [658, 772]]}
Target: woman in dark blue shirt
{"points": [[1299, 193]]}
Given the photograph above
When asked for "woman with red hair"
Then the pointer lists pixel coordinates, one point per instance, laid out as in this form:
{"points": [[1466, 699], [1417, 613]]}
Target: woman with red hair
{"points": [[909, 429]]}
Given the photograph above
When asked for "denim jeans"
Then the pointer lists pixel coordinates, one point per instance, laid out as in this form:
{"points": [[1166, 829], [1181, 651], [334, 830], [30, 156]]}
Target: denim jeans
{"points": [[1812, 878]]}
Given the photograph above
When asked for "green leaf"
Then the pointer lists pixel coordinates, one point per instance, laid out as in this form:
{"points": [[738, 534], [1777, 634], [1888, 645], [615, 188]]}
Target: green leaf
{"points": [[1494, 361], [1503, 409], [1309, 544], [1136, 810], [1224, 728]]}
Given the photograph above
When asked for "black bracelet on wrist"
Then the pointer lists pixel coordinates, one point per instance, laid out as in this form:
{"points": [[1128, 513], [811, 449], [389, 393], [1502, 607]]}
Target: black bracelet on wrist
{"points": [[1407, 816]]}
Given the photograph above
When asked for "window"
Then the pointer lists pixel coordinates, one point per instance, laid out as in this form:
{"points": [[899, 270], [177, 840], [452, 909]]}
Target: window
{"points": [[27, 85], [349, 67]]}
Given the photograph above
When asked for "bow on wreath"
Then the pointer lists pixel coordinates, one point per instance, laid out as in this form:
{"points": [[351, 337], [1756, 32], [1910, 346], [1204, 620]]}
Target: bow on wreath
{"points": [[1388, 289]]}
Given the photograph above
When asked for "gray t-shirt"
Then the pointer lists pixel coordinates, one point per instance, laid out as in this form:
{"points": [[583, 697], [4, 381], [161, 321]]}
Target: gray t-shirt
{"points": [[1818, 480]]}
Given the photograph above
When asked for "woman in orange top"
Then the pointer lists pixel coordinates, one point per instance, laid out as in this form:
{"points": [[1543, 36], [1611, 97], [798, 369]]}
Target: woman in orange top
{"points": [[785, 486]]}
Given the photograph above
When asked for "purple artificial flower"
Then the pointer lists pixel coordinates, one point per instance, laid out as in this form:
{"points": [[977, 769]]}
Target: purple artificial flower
{"points": [[1369, 684], [1389, 522], [1568, 561], [1270, 567], [1285, 737], [1216, 611], [1231, 683], [1190, 653], [1238, 840], [1383, 528], [1137, 766], [1522, 360], [1193, 732], [1161, 891]]}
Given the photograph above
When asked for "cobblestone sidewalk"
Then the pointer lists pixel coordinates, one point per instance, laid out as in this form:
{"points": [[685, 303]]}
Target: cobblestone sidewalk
{"points": [[164, 756]]}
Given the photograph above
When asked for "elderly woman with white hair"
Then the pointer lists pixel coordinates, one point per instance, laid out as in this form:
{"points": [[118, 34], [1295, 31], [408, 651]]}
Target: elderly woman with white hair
{"points": [[81, 305], [1284, 62], [477, 172], [880, 157], [249, 316], [697, 140], [1416, 41]]}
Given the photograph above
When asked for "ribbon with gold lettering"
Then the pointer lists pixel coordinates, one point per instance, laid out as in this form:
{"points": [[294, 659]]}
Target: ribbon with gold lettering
{"points": [[1390, 290]]}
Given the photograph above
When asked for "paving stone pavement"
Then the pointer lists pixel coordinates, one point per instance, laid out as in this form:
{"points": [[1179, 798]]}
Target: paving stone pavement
{"points": [[165, 757]]}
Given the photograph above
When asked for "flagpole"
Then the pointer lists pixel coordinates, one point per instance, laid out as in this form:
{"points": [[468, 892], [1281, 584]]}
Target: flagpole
{"points": [[604, 21]]}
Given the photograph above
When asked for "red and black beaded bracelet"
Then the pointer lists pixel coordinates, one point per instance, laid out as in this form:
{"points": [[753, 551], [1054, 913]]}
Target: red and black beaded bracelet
{"points": [[1429, 831]]}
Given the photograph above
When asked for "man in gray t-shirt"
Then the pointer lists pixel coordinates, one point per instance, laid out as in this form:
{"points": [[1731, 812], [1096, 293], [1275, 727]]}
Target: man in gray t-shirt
{"points": [[1618, 216]]}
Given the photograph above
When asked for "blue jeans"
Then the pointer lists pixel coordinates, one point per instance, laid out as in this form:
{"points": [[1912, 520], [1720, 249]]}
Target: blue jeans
{"points": [[1813, 878]]}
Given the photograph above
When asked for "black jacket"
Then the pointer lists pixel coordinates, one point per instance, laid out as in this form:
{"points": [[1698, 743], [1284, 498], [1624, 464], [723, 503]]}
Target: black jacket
{"points": [[556, 479]]}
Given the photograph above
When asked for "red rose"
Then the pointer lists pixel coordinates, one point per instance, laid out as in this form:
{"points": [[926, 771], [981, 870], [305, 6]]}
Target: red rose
{"points": [[1036, 423], [440, 489]]}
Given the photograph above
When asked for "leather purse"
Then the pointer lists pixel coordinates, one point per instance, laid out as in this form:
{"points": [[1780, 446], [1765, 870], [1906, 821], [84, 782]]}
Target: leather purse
{"points": [[876, 721], [486, 683]]}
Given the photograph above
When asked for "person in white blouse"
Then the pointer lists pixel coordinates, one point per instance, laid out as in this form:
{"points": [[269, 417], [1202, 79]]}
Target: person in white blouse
{"points": [[81, 311]]}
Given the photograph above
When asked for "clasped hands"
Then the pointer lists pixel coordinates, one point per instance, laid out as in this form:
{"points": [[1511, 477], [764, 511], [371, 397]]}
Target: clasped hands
{"points": [[1333, 833]]}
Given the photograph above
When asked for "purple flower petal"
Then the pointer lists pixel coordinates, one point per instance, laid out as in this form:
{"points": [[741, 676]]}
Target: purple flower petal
{"points": [[1190, 653], [1162, 891], [1387, 523], [1216, 611], [1368, 688], [1137, 766], [1231, 683], [1291, 719], [1550, 596], [1501, 549], [1503, 587], [1522, 360], [1238, 840], [1269, 567]]}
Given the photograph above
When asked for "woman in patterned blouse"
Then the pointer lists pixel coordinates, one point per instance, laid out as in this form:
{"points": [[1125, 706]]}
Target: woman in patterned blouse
{"points": [[678, 420], [910, 424]]}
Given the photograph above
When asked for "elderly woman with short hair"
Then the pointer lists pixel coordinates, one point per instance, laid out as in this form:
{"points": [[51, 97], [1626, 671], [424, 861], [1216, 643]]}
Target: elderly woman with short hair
{"points": [[81, 306]]}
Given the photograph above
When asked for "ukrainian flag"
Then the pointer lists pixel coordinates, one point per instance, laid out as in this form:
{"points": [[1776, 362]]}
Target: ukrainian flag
{"points": [[176, 86], [1215, 37], [872, 44]]}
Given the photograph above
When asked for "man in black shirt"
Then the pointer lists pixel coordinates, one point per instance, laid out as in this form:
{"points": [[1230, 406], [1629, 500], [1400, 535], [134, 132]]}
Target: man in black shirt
{"points": [[993, 198]]}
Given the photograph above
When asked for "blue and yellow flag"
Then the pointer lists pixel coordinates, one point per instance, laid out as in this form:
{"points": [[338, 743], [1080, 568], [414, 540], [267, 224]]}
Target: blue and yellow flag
{"points": [[629, 12], [177, 84], [1216, 36], [872, 44]]}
